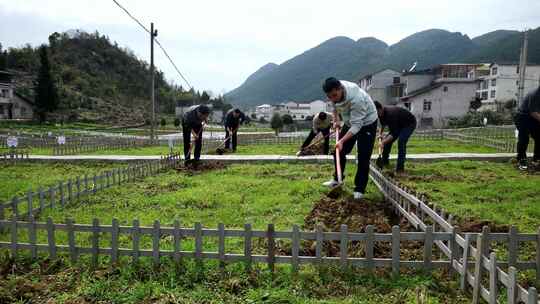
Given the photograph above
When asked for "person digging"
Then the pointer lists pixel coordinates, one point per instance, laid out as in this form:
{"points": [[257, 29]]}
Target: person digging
{"points": [[192, 125], [233, 119], [401, 124], [321, 124], [527, 120], [359, 127]]}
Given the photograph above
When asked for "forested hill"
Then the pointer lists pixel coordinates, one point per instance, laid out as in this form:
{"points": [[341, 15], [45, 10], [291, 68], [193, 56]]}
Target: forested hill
{"points": [[97, 79]]}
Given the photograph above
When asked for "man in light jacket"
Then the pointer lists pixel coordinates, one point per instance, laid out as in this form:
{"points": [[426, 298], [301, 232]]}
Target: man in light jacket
{"points": [[359, 118], [321, 124]]}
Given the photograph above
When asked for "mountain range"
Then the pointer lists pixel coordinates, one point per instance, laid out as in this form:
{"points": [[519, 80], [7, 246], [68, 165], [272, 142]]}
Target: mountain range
{"points": [[300, 78]]}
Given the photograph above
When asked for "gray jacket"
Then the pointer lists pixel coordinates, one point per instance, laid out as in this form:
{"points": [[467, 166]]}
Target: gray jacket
{"points": [[357, 109]]}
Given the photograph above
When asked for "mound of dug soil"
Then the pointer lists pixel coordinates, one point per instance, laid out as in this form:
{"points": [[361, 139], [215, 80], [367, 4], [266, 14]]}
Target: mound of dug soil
{"points": [[199, 167], [357, 215]]}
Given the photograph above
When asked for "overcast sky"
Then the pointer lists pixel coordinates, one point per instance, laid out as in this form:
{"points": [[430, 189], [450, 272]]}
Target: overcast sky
{"points": [[218, 44]]}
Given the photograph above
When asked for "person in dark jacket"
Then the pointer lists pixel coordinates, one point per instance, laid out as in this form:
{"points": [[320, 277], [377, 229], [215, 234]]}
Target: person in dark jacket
{"points": [[527, 120], [192, 124], [233, 119], [401, 124], [321, 123]]}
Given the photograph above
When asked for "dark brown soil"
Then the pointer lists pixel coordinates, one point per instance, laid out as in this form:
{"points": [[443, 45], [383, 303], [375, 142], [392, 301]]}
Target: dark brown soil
{"points": [[201, 166], [475, 225]]}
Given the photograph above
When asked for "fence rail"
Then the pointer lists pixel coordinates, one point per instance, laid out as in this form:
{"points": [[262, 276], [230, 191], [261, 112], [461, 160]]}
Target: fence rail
{"points": [[73, 189], [420, 214]]}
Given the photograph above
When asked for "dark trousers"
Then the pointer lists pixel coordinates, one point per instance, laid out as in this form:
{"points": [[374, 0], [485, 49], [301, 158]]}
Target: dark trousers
{"points": [[234, 138], [186, 131], [365, 140], [403, 139], [325, 132], [527, 126]]}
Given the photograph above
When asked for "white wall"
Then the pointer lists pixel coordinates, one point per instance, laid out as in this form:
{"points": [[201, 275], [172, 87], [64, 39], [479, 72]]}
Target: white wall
{"points": [[416, 81], [453, 103], [507, 78]]}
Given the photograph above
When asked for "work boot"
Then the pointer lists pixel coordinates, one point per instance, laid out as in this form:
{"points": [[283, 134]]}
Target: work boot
{"points": [[331, 183], [523, 165]]}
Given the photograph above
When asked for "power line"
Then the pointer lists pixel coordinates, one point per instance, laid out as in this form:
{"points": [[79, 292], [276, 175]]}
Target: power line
{"points": [[157, 42]]}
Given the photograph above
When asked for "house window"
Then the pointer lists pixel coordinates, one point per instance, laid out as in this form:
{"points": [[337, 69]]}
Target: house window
{"points": [[484, 95], [484, 85], [407, 105], [517, 83], [397, 91], [517, 69], [427, 106], [494, 71], [397, 80], [445, 89], [492, 94], [5, 93], [493, 82]]}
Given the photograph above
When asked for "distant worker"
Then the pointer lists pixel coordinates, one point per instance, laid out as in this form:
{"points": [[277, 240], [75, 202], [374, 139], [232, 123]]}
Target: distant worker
{"points": [[527, 120], [360, 127], [192, 124], [401, 124], [322, 123], [233, 119]]}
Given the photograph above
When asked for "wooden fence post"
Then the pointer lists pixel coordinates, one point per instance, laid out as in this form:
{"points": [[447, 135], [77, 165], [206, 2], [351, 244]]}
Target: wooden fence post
{"points": [[156, 234], [428, 248], [71, 241], [370, 244], [247, 246], [14, 237], [51, 238], [343, 246], [271, 247], [198, 245], [135, 235], [478, 267], [114, 241], [221, 245], [395, 250], [95, 242], [177, 242], [493, 278]]}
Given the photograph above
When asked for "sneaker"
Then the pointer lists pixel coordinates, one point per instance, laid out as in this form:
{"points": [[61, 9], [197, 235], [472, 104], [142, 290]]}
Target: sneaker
{"points": [[358, 195], [331, 183], [299, 153], [523, 164]]}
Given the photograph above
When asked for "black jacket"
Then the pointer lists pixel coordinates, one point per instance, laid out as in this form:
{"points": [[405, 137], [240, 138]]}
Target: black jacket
{"points": [[231, 121]]}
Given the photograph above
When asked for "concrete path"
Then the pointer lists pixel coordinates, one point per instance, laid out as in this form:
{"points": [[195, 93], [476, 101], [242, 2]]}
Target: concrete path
{"points": [[279, 158]]}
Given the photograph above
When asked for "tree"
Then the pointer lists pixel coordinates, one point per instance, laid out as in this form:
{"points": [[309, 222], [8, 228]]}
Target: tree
{"points": [[475, 104], [276, 123], [3, 59], [46, 92], [177, 122], [163, 122], [262, 120], [253, 116], [205, 97], [287, 119]]}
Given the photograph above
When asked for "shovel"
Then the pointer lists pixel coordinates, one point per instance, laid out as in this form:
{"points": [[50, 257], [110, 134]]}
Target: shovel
{"points": [[220, 150], [303, 150], [379, 162], [338, 189]]}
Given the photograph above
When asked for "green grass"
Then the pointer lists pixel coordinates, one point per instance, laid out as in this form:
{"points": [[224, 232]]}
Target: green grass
{"points": [[19, 179], [496, 192], [282, 194], [414, 147]]}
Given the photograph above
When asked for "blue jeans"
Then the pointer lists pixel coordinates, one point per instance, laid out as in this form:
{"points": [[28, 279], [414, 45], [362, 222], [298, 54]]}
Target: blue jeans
{"points": [[402, 139]]}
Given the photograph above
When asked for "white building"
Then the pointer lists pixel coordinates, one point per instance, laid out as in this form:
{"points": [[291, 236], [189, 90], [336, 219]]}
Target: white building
{"points": [[298, 111], [501, 84], [13, 105], [384, 86], [440, 93]]}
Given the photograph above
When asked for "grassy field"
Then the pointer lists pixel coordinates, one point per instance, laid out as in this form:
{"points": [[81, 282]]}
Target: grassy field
{"points": [[16, 180], [415, 146], [495, 192], [258, 194]]}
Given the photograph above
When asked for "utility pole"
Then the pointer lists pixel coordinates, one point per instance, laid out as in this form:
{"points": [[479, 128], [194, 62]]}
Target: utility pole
{"points": [[523, 67], [153, 34]]}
